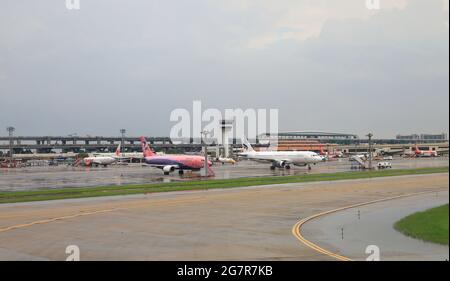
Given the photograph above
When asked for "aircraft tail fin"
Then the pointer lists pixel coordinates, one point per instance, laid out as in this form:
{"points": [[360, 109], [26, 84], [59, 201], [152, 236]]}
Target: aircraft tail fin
{"points": [[118, 150], [246, 145], [322, 152], [148, 152]]}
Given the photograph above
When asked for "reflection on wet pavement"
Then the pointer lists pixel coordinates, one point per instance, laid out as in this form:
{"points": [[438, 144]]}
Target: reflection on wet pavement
{"points": [[349, 232], [63, 176]]}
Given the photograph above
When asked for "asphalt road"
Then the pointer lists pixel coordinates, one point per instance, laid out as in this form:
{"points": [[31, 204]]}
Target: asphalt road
{"points": [[229, 224]]}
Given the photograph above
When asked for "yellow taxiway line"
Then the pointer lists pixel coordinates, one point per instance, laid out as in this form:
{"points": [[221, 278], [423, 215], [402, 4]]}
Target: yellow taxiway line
{"points": [[123, 206], [44, 221], [297, 229]]}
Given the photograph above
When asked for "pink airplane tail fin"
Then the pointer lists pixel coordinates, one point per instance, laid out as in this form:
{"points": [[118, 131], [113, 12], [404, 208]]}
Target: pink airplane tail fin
{"points": [[148, 152], [322, 152], [118, 151]]}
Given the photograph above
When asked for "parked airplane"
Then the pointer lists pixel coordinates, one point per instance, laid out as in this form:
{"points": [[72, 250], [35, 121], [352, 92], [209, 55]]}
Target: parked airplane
{"points": [[99, 161], [170, 163], [389, 152], [224, 160], [121, 155], [103, 159], [424, 153], [280, 159], [327, 155]]}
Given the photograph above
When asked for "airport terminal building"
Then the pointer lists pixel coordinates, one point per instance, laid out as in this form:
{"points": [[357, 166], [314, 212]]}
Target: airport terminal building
{"points": [[317, 136], [424, 137], [324, 137]]}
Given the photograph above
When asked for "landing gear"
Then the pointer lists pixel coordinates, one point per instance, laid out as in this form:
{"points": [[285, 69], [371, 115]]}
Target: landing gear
{"points": [[272, 168], [181, 172], [288, 167], [309, 167], [166, 173]]}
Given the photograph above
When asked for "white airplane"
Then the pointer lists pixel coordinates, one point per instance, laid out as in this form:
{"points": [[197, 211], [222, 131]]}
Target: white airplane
{"points": [[103, 159], [99, 161], [280, 159], [225, 160], [120, 155]]}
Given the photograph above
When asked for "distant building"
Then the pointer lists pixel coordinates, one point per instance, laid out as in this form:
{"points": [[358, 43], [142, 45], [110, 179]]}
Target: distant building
{"points": [[321, 136], [424, 137], [309, 137]]}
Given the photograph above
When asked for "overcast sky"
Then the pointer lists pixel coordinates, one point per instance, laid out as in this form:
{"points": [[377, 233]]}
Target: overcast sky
{"points": [[325, 64]]}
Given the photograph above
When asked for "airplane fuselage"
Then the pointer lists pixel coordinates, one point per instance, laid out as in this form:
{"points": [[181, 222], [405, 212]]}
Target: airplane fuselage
{"points": [[297, 158], [180, 162], [99, 161], [135, 155], [426, 154]]}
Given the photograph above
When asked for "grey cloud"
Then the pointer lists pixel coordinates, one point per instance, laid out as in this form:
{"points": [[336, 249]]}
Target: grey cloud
{"points": [[115, 64]]}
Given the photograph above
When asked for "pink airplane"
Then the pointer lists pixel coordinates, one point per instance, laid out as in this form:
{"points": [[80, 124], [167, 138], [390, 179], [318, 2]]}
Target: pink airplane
{"points": [[170, 163]]}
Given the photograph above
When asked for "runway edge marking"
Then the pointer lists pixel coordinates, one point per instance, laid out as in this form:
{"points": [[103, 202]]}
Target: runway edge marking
{"points": [[297, 229]]}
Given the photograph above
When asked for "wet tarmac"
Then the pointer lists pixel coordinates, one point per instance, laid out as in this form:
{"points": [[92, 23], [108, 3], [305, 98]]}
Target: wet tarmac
{"points": [[350, 232], [33, 178], [252, 223]]}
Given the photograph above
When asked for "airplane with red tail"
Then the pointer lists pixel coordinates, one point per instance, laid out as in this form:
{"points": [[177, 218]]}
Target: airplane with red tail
{"points": [[170, 163], [424, 153], [326, 154]]}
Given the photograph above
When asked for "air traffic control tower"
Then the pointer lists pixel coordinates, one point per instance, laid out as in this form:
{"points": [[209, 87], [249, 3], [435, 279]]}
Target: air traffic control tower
{"points": [[227, 128]]}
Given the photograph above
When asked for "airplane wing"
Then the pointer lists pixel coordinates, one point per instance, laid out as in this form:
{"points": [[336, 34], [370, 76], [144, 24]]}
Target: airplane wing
{"points": [[392, 153], [123, 158], [265, 160], [281, 162], [162, 166], [287, 161], [261, 160], [127, 158]]}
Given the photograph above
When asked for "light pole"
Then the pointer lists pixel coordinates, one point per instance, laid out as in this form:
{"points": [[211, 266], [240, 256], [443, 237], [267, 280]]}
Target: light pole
{"points": [[370, 135], [122, 142], [10, 133], [205, 147]]}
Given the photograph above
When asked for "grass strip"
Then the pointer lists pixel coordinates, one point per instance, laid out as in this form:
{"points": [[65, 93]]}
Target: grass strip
{"points": [[431, 225]]}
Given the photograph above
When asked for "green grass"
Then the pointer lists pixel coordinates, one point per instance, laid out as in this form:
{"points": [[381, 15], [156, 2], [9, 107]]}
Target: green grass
{"points": [[431, 225], [66, 193]]}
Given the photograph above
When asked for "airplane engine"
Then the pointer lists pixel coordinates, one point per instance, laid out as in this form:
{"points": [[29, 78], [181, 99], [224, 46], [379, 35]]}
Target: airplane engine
{"points": [[168, 169], [280, 164]]}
